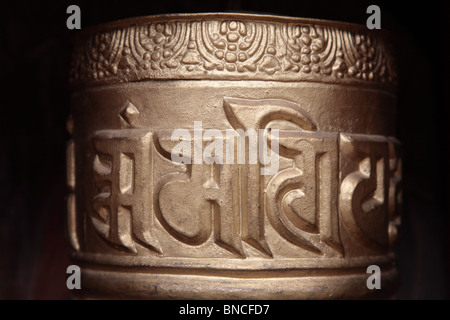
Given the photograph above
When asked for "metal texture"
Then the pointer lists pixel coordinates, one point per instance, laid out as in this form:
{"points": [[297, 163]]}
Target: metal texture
{"points": [[144, 226]]}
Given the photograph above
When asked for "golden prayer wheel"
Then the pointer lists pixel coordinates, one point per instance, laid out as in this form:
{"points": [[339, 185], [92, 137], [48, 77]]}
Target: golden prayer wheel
{"points": [[233, 156]]}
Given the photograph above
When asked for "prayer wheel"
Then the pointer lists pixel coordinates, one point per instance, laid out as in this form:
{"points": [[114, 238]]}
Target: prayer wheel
{"points": [[233, 156]]}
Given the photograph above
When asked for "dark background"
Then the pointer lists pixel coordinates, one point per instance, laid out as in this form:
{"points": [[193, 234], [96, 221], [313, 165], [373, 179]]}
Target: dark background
{"points": [[34, 57]]}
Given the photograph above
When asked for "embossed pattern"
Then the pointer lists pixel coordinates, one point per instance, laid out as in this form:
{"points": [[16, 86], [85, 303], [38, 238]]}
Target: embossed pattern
{"points": [[291, 50]]}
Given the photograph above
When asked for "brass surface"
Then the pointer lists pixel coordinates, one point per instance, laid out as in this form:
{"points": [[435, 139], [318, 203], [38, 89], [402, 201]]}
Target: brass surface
{"points": [[144, 226]]}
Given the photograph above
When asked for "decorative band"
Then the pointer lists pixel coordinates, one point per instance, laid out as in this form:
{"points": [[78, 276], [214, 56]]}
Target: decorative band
{"points": [[232, 47]]}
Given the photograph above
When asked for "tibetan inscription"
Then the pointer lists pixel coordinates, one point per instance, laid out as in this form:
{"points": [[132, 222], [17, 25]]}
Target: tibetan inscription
{"points": [[330, 189]]}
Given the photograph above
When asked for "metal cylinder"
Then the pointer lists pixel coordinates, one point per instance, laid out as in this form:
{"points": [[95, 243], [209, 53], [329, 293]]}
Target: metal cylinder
{"points": [[233, 156]]}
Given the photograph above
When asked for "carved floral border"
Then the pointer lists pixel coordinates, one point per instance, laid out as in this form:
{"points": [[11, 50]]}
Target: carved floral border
{"points": [[241, 49]]}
